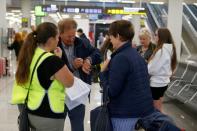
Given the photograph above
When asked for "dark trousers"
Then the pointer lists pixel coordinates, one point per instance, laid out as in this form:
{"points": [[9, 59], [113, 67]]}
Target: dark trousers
{"points": [[76, 117]]}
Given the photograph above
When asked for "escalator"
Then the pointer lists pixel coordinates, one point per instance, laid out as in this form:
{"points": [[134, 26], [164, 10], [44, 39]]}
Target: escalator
{"points": [[193, 8], [189, 32], [191, 14], [150, 19], [160, 12]]}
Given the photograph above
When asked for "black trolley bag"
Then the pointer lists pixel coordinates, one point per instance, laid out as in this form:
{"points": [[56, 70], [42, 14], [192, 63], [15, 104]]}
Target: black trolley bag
{"points": [[99, 117]]}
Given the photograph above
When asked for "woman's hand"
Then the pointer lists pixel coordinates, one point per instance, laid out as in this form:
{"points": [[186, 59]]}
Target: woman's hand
{"points": [[58, 52], [105, 65]]}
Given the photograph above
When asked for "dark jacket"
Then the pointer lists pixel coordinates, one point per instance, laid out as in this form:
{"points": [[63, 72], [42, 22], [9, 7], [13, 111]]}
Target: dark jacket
{"points": [[82, 50], [84, 38], [16, 46], [128, 82], [148, 52]]}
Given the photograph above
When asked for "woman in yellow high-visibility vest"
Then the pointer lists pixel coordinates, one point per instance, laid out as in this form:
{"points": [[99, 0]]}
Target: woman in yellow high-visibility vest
{"points": [[47, 91]]}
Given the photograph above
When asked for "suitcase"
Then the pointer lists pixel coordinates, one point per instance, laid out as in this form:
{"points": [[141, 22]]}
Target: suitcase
{"points": [[4, 66], [1, 67]]}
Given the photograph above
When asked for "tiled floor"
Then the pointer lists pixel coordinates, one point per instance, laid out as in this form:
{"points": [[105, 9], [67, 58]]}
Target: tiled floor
{"points": [[183, 115]]}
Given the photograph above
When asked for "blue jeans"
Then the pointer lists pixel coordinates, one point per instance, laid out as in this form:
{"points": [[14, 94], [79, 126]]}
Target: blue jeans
{"points": [[76, 117], [124, 124]]}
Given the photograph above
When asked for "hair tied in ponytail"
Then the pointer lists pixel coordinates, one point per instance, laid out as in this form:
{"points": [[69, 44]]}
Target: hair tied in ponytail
{"points": [[34, 34]]}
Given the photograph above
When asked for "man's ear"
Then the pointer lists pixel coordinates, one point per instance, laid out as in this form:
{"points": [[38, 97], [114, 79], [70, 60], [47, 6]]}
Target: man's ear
{"points": [[118, 36]]}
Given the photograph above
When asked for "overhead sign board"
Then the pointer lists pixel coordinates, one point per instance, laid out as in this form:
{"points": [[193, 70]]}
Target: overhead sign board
{"points": [[50, 8], [38, 11], [86, 10], [126, 11], [131, 9], [71, 9], [24, 22]]}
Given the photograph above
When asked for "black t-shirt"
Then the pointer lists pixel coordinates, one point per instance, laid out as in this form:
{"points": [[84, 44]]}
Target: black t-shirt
{"points": [[47, 69]]}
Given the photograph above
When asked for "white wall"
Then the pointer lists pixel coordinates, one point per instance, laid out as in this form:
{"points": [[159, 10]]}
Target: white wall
{"points": [[84, 25]]}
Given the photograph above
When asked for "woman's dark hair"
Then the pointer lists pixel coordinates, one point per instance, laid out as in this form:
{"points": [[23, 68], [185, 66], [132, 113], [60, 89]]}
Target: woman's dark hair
{"points": [[123, 28], [164, 36], [39, 37], [107, 45]]}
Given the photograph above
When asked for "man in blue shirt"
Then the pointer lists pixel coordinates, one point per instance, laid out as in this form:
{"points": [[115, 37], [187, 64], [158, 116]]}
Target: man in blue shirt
{"points": [[79, 56]]}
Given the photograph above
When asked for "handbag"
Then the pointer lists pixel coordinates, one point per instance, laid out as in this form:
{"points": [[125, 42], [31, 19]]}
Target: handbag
{"points": [[99, 117], [23, 121], [157, 122]]}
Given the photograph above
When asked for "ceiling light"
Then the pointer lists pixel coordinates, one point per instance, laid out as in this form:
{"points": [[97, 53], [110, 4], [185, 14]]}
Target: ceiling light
{"points": [[77, 16], [53, 15], [16, 11], [106, 0], [15, 15], [128, 1], [65, 16], [132, 9], [127, 17], [158, 3], [83, 0], [9, 13], [109, 0]]}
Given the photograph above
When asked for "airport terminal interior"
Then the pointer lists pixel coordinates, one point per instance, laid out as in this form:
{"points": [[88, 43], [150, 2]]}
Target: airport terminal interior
{"points": [[94, 17]]}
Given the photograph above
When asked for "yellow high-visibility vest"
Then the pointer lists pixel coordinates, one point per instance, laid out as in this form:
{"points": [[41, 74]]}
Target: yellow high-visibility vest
{"points": [[56, 91]]}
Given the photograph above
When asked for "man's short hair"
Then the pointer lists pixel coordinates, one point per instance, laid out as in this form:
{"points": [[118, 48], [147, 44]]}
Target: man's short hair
{"points": [[67, 24], [80, 30]]}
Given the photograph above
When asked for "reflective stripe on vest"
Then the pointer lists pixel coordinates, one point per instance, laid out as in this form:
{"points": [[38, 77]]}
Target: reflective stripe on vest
{"points": [[56, 91]]}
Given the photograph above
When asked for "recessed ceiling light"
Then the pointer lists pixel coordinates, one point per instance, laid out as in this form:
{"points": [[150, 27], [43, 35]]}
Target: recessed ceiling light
{"points": [[65, 16], [83, 0], [127, 1], [16, 11], [106, 0], [77, 16], [158, 3]]}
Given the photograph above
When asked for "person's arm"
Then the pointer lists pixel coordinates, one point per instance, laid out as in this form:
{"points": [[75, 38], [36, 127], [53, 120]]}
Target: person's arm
{"points": [[65, 76], [93, 59], [155, 65], [95, 55], [118, 73]]}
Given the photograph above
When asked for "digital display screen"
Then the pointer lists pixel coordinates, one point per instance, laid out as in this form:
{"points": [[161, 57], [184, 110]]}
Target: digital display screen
{"points": [[50, 8], [82, 10], [93, 16], [71, 9]]}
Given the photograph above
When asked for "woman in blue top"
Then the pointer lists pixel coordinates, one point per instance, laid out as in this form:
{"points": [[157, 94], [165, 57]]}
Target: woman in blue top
{"points": [[127, 79]]}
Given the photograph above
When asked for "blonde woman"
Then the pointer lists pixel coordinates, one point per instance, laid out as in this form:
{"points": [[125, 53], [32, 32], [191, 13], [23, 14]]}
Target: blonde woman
{"points": [[147, 47]]}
